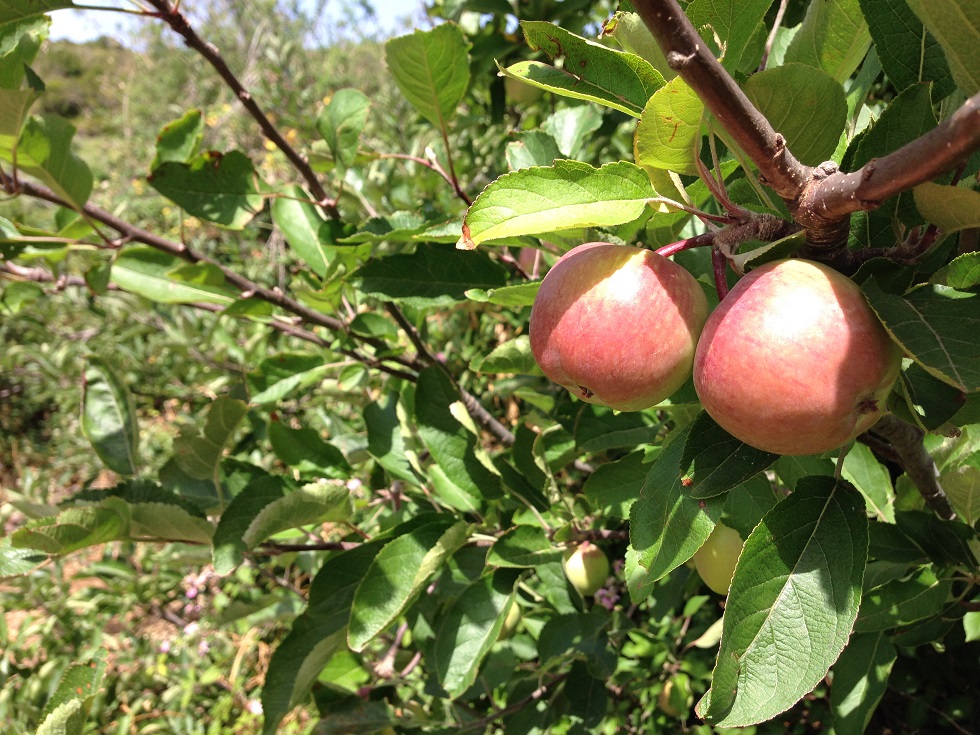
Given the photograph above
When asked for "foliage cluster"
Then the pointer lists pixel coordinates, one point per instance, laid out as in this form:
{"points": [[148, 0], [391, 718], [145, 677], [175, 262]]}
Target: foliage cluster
{"points": [[305, 373]]}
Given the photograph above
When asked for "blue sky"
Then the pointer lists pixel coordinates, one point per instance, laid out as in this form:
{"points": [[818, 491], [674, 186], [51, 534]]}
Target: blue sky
{"points": [[86, 25]]}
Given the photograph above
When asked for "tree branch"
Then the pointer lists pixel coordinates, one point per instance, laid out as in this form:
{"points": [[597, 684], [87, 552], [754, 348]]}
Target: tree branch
{"points": [[938, 151], [172, 16], [694, 62], [906, 440]]}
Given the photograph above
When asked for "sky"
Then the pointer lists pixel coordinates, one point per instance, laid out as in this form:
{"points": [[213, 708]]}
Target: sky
{"points": [[87, 25]]}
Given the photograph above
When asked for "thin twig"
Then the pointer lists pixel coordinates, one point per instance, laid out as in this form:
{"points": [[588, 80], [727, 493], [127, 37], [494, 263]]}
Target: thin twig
{"points": [[708, 238], [172, 16], [772, 34], [534, 696]]}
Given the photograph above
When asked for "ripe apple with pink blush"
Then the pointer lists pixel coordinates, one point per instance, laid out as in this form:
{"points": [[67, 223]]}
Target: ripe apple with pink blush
{"points": [[794, 361], [617, 325]]}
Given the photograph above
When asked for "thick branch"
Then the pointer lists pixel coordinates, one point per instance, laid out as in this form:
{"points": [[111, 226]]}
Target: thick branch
{"points": [[938, 151], [691, 58], [178, 22], [906, 440]]}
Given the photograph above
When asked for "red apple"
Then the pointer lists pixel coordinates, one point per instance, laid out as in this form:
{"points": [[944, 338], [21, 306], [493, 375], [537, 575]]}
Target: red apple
{"points": [[794, 361], [617, 325]]}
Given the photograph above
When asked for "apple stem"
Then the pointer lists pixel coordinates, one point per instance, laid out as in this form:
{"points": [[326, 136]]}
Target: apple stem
{"points": [[708, 238], [718, 263]]}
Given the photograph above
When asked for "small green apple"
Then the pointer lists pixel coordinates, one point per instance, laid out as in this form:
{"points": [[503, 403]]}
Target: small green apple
{"points": [[511, 620], [521, 93], [675, 699], [715, 560], [586, 567]]}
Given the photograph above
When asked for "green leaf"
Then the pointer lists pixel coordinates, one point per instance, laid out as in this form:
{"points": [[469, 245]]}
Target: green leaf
{"points": [[667, 525], [340, 123], [67, 718], [522, 546], [669, 132], [109, 418], [317, 502], [634, 36], [615, 486], [432, 70], [932, 402], [13, 10], [229, 547], [734, 21], [871, 478], [180, 139], [218, 187], [283, 384], [398, 575], [589, 71], [307, 452], [532, 148], [468, 629], [14, 106], [908, 116], [586, 695], [908, 52], [44, 151], [74, 529], [833, 37], [945, 542], [168, 522], [859, 681], [514, 296], [798, 580], [598, 429], [513, 356], [954, 24], [434, 275], [747, 504], [198, 454], [438, 411], [302, 225], [805, 105], [714, 461], [80, 682], [903, 601], [568, 195], [316, 635], [962, 272], [573, 128], [953, 208], [19, 43], [386, 438], [962, 485], [148, 272], [937, 327], [16, 562]]}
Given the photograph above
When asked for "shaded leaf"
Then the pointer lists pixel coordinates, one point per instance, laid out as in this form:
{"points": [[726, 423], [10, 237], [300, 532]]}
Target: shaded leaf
{"points": [[398, 575], [307, 452], [522, 546], [714, 461], [199, 453], [798, 579], [805, 105], [217, 187], [667, 525], [316, 502], [513, 356], [871, 478], [860, 679], [954, 24], [109, 418], [903, 601], [937, 327], [434, 275]]}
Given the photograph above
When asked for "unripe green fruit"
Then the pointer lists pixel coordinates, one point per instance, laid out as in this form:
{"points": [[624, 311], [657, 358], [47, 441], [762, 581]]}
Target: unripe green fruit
{"points": [[715, 560], [521, 93], [511, 621], [675, 699], [586, 567], [617, 325]]}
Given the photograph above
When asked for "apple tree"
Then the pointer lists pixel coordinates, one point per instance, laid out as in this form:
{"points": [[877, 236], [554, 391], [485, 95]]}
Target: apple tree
{"points": [[805, 172]]}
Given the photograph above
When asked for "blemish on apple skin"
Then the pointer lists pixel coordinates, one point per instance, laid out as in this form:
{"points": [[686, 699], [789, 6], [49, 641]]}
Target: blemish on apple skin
{"points": [[585, 392], [867, 405]]}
